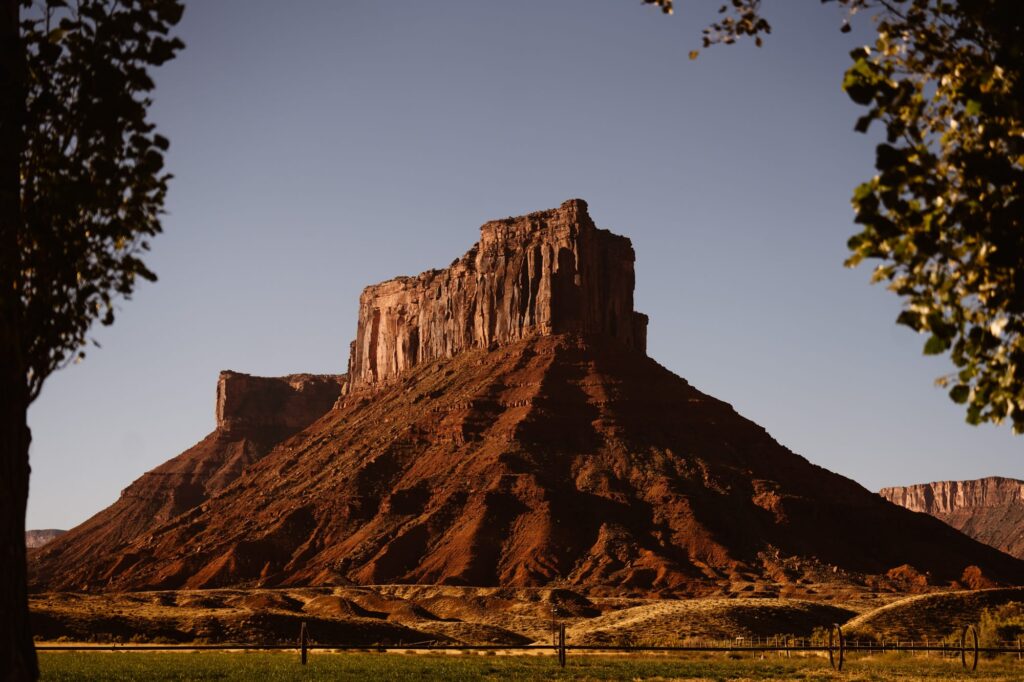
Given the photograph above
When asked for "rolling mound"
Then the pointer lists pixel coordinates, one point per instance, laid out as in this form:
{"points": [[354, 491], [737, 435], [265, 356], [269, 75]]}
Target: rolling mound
{"points": [[229, 616], [930, 615], [502, 425], [662, 621], [400, 614]]}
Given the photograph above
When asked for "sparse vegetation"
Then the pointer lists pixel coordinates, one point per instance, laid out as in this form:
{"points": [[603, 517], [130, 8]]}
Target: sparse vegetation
{"points": [[936, 616], [1001, 625], [367, 615]]}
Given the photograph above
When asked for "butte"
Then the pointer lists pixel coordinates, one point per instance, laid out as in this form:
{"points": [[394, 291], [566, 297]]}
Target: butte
{"points": [[500, 423]]}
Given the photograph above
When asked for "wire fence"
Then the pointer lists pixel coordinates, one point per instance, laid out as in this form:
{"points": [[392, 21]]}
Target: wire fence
{"points": [[836, 646]]}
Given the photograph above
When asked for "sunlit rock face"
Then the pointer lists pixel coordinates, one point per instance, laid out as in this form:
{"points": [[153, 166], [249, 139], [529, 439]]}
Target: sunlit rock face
{"points": [[548, 272], [290, 402], [990, 510], [38, 538]]}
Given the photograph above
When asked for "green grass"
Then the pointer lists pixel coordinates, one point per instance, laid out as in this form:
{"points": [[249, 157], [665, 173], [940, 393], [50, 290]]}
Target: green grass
{"points": [[369, 667]]}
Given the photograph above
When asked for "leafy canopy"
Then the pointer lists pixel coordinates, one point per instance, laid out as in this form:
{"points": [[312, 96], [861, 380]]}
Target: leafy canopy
{"points": [[944, 214], [92, 179]]}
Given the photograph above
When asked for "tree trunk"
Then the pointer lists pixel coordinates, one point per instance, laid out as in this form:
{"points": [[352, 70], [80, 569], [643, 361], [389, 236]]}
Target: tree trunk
{"points": [[17, 654]]}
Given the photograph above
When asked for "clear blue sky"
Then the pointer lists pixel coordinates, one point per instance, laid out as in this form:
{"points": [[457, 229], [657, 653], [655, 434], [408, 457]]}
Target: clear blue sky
{"points": [[322, 146]]}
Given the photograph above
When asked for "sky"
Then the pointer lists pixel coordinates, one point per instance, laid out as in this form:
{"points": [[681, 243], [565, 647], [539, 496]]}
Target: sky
{"points": [[322, 146]]}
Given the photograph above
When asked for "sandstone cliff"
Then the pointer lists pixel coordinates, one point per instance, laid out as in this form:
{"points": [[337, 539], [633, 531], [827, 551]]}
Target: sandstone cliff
{"points": [[253, 414], [246, 404], [990, 510], [38, 538], [549, 272]]}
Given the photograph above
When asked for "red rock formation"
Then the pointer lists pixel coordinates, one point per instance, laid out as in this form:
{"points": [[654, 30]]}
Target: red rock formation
{"points": [[549, 272], [505, 427], [254, 414], [247, 404], [990, 510]]}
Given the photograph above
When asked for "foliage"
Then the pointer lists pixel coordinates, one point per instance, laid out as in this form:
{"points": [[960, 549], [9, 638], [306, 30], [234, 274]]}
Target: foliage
{"points": [[945, 212], [740, 18], [92, 180], [1001, 625]]}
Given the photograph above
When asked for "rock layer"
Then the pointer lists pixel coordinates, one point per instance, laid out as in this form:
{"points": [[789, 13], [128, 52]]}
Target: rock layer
{"points": [[990, 510], [549, 272], [254, 414]]}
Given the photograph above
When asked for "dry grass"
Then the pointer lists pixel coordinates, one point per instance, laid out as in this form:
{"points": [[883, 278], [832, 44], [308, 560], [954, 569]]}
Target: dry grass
{"points": [[933, 615], [665, 622], [402, 613], [460, 615]]}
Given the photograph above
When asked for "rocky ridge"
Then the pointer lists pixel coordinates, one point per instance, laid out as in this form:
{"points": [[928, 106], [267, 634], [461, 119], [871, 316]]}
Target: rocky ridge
{"points": [[990, 510]]}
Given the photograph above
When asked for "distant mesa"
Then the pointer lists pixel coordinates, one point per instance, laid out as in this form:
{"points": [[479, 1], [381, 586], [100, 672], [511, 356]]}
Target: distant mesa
{"points": [[38, 538], [500, 424], [990, 510]]}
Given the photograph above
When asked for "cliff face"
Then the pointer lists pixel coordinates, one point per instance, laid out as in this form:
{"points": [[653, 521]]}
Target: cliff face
{"points": [[246, 403], [254, 414], [990, 510], [549, 272], [38, 538]]}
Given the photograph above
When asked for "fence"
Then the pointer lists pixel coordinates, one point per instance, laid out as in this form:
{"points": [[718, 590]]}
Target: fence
{"points": [[837, 646]]}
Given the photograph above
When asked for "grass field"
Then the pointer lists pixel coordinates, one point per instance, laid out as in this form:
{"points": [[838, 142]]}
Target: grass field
{"points": [[369, 667]]}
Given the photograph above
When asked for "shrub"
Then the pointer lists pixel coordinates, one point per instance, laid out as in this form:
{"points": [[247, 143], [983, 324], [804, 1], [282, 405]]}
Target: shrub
{"points": [[1001, 624]]}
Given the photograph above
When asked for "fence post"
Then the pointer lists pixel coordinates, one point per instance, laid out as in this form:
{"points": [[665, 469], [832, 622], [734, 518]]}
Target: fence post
{"points": [[561, 644], [963, 652], [303, 641]]}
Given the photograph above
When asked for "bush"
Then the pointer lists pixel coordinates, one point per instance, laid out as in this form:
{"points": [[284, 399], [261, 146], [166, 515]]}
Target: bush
{"points": [[1001, 624]]}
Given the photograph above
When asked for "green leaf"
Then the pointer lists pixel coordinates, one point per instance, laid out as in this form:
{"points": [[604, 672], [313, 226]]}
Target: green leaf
{"points": [[936, 345], [863, 123], [960, 393]]}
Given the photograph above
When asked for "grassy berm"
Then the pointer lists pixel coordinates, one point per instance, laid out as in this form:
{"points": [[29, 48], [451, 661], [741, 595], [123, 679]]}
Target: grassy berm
{"points": [[364, 667]]}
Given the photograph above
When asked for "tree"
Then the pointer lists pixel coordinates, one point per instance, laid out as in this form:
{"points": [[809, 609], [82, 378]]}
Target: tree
{"points": [[945, 212], [82, 188]]}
